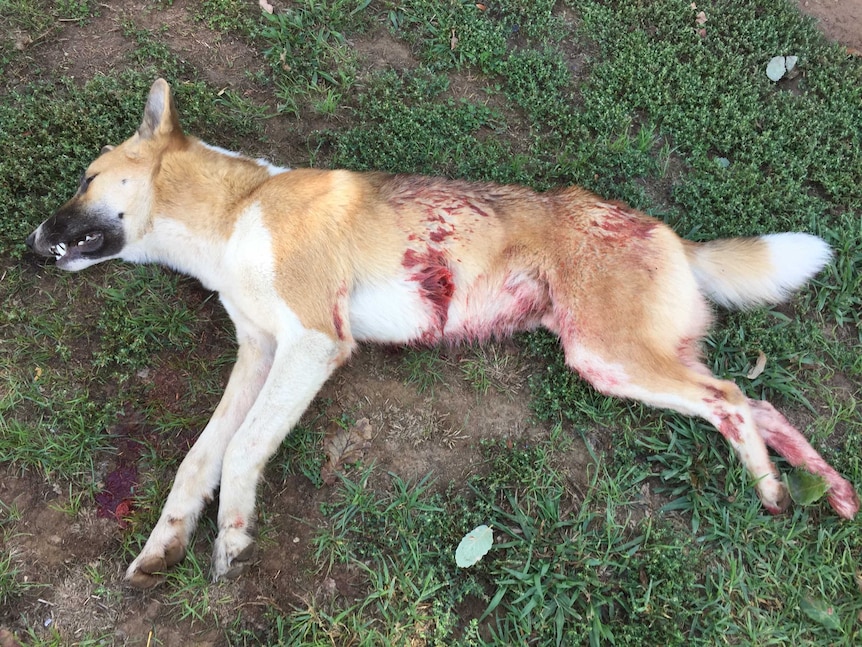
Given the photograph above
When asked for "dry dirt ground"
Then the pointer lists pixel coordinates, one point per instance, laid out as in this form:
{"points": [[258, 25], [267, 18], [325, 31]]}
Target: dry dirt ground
{"points": [[414, 432]]}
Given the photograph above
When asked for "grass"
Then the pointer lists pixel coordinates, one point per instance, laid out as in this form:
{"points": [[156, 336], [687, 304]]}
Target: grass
{"points": [[663, 541]]}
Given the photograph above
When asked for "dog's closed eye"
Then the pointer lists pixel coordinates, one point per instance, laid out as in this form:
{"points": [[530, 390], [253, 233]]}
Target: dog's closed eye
{"points": [[85, 182]]}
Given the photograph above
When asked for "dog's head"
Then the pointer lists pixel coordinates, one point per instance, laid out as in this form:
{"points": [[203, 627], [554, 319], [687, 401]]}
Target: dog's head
{"points": [[112, 208]]}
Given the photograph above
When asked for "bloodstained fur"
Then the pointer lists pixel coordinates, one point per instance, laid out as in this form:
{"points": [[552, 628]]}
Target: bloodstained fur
{"points": [[432, 273]]}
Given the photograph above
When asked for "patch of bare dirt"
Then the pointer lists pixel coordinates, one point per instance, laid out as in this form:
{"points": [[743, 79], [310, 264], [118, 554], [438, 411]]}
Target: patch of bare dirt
{"points": [[380, 51], [840, 20], [100, 46]]}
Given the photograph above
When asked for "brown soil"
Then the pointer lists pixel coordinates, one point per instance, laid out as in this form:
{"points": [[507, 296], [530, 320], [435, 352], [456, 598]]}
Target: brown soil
{"points": [[840, 20], [62, 550]]}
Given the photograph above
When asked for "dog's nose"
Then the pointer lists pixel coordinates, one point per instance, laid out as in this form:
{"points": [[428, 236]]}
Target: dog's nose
{"points": [[31, 240]]}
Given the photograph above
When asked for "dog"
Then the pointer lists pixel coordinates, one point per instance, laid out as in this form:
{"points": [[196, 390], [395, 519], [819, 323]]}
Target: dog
{"points": [[309, 262]]}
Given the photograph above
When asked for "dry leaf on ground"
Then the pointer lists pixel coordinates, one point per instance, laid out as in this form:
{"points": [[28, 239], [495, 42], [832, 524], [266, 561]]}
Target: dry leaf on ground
{"points": [[759, 365], [344, 446]]}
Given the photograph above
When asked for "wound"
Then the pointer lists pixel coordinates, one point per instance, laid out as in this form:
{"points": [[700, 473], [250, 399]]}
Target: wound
{"points": [[431, 272]]}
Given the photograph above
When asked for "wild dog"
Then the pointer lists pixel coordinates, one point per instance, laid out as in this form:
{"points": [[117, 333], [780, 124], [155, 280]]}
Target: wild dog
{"points": [[309, 262]]}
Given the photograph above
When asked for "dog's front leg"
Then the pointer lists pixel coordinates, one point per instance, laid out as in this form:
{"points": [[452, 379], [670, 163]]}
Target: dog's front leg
{"points": [[299, 370], [199, 473]]}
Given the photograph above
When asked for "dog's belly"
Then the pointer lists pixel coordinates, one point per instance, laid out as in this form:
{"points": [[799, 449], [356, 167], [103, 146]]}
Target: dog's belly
{"points": [[429, 306], [388, 312]]}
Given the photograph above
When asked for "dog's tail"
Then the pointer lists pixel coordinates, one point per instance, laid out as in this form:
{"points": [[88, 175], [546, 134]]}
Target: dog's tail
{"points": [[746, 272]]}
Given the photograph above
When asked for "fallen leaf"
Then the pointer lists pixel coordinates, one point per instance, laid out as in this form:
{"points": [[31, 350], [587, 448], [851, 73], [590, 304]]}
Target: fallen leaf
{"points": [[778, 66], [474, 546], [820, 611], [759, 365], [453, 40], [343, 447], [265, 6], [701, 18], [804, 487]]}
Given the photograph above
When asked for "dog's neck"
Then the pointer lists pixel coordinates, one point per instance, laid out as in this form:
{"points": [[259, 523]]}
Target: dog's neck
{"points": [[202, 192]]}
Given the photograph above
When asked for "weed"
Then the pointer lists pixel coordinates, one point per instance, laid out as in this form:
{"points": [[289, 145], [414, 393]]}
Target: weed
{"points": [[309, 53], [12, 585], [230, 15], [424, 368], [488, 366]]}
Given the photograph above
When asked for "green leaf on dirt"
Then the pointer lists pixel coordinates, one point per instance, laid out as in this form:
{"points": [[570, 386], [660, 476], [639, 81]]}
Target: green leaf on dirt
{"points": [[820, 611], [474, 546], [805, 488]]}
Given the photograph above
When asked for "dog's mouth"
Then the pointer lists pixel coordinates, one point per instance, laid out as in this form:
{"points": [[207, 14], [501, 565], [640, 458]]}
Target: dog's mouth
{"points": [[65, 253]]}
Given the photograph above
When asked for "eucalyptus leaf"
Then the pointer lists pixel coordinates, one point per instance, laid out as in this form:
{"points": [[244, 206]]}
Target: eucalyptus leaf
{"points": [[474, 546]]}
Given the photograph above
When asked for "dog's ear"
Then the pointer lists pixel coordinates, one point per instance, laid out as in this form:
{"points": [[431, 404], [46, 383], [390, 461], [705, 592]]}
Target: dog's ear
{"points": [[160, 113], [107, 148]]}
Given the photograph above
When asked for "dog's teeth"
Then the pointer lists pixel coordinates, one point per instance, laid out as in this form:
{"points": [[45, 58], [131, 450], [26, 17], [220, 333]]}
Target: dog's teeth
{"points": [[88, 238]]}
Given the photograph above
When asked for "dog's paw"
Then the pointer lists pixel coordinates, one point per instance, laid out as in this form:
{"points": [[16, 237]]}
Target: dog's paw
{"points": [[148, 568], [773, 495], [843, 499], [231, 554]]}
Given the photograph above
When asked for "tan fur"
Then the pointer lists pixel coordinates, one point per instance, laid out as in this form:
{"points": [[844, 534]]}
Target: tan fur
{"points": [[308, 262]]}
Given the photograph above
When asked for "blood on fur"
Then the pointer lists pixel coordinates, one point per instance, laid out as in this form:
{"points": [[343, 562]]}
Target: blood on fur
{"points": [[431, 272], [729, 424], [337, 318], [492, 309], [338, 322], [621, 224]]}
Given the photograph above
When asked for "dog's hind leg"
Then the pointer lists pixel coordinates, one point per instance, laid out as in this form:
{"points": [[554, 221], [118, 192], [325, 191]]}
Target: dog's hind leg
{"points": [[788, 441], [200, 471], [299, 370], [670, 383]]}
